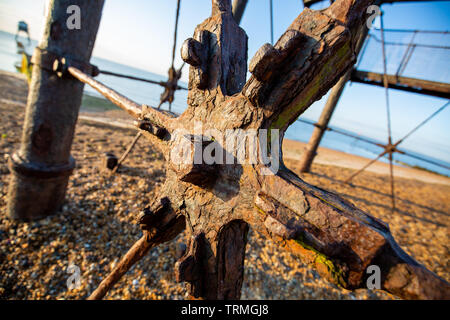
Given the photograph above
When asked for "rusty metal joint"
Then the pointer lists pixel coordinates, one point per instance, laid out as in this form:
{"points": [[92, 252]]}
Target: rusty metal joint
{"points": [[151, 127], [58, 64]]}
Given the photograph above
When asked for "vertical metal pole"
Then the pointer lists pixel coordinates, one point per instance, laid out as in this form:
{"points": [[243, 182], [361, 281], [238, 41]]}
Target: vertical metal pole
{"points": [[271, 22], [42, 165], [388, 112], [318, 132], [327, 112]]}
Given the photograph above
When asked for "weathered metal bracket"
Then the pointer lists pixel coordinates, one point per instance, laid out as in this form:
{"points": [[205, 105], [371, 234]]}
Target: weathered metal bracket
{"points": [[54, 62], [34, 170]]}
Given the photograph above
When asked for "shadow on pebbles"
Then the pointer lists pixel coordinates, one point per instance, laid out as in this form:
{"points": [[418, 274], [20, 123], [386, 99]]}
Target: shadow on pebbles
{"points": [[97, 225]]}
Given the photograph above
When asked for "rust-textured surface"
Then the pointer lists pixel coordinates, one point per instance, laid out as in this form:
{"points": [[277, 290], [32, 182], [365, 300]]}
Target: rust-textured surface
{"points": [[328, 109], [42, 165], [159, 224], [221, 201], [431, 88]]}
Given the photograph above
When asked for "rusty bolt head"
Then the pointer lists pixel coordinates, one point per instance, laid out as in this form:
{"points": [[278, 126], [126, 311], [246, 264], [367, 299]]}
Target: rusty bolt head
{"points": [[192, 52]]}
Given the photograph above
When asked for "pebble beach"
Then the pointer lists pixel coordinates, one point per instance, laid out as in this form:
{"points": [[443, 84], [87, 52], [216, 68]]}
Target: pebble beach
{"points": [[97, 223]]}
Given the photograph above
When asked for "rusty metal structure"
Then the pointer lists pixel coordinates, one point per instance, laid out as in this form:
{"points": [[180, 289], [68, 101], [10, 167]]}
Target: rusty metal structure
{"points": [[43, 164], [171, 85], [437, 89], [216, 203]]}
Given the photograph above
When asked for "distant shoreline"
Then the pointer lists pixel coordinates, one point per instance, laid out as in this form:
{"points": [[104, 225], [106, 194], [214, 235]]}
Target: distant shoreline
{"points": [[99, 109]]}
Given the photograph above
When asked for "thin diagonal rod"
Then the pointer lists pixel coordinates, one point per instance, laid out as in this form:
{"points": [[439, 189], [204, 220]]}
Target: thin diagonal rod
{"points": [[391, 171], [400, 141], [271, 22], [422, 159], [419, 45], [125, 154], [114, 74], [119, 100], [412, 30], [405, 57], [423, 122], [363, 51], [388, 112], [159, 118], [385, 82], [175, 32], [376, 144], [365, 167], [136, 253]]}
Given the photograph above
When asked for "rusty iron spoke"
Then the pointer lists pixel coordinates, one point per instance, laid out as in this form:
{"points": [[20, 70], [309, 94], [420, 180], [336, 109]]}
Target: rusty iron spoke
{"points": [[119, 100], [131, 107], [127, 152], [312, 223], [159, 224]]}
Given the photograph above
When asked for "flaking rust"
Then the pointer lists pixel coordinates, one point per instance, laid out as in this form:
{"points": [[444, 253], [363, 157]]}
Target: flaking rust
{"points": [[320, 227]]}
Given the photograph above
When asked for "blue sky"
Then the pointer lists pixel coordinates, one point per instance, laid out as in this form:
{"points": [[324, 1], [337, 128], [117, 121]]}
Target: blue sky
{"points": [[140, 32]]}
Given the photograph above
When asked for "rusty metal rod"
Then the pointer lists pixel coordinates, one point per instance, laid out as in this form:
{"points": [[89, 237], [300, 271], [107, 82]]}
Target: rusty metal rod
{"points": [[365, 167], [419, 45], [422, 159], [125, 154], [391, 171], [376, 144], [151, 114], [114, 74], [121, 101], [175, 32], [343, 133], [423, 122], [388, 112], [413, 30], [136, 252]]}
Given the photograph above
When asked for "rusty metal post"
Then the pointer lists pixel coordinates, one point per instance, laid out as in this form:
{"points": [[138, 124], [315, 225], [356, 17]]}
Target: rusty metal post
{"points": [[327, 112], [311, 149], [42, 165]]}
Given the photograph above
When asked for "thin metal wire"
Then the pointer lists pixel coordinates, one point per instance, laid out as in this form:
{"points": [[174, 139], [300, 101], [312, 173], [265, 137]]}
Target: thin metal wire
{"points": [[114, 74], [271, 22], [406, 56], [393, 148], [175, 32], [423, 122], [385, 82], [421, 45], [357, 137], [365, 167], [388, 113], [363, 51], [412, 30]]}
